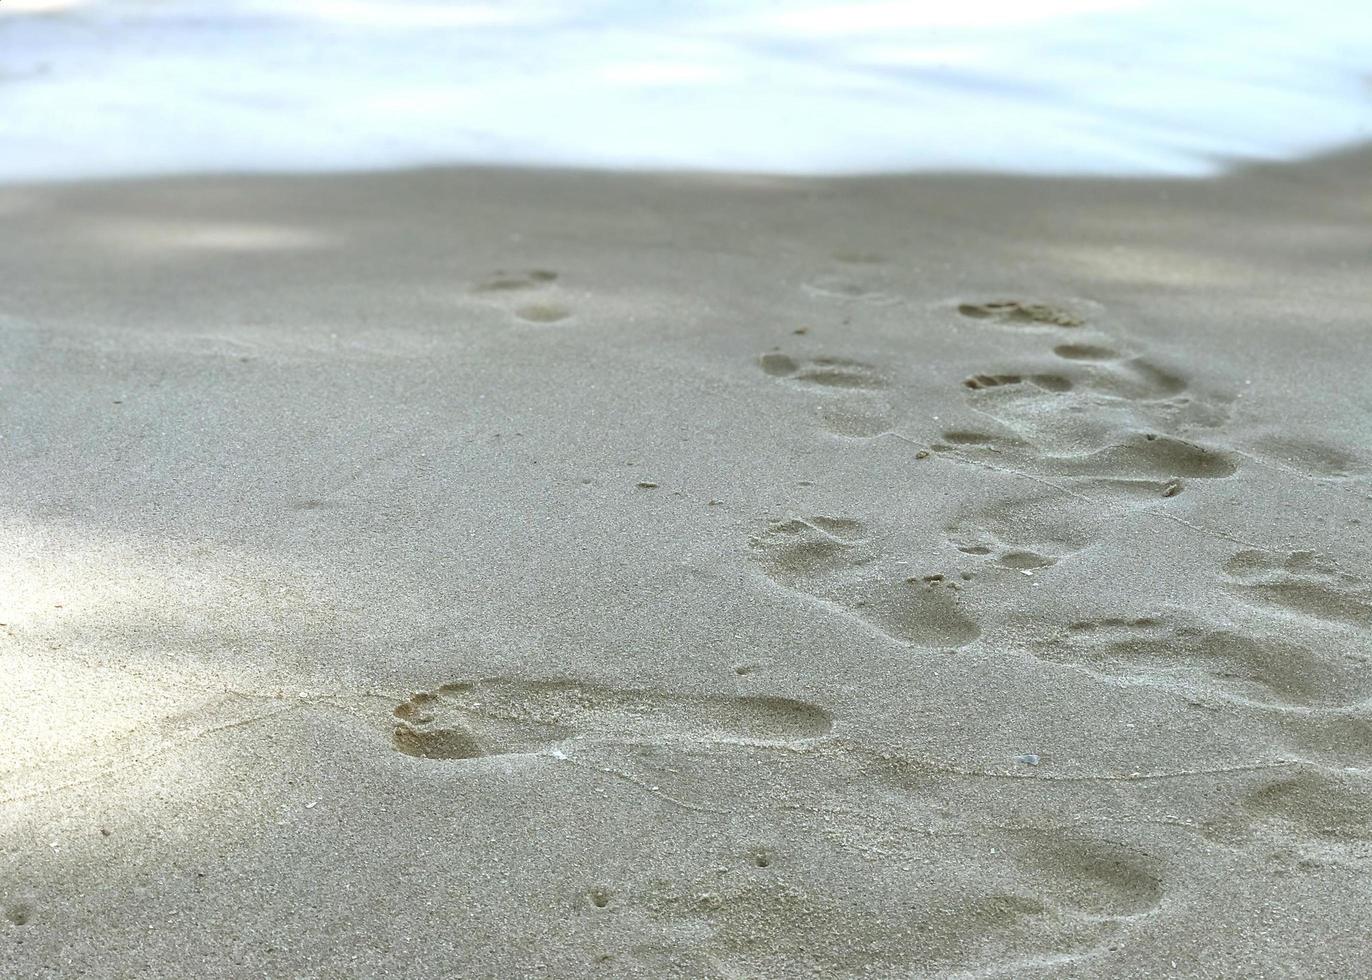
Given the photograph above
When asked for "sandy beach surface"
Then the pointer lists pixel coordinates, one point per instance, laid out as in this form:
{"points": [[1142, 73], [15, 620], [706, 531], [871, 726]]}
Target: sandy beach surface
{"points": [[497, 574]]}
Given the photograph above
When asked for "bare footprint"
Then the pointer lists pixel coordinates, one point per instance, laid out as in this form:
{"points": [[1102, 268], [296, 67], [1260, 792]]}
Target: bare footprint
{"points": [[1098, 377], [503, 282], [1300, 805], [1089, 394], [1055, 383], [1300, 583], [1311, 457], [1093, 877], [506, 288], [1107, 371], [504, 716], [1020, 313], [1086, 352], [971, 439], [831, 560], [1148, 455], [823, 372], [1066, 893], [1340, 738], [851, 410], [1027, 530], [1194, 657]]}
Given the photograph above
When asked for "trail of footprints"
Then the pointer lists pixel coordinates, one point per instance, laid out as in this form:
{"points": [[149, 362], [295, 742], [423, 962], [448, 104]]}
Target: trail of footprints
{"points": [[1101, 419], [1063, 891]]}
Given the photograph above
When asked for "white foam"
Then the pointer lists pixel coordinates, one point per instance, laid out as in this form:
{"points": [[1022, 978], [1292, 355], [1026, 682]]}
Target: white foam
{"points": [[1131, 87]]}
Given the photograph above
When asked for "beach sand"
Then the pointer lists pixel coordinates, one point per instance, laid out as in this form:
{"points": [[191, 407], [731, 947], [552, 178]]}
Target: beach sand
{"points": [[499, 573]]}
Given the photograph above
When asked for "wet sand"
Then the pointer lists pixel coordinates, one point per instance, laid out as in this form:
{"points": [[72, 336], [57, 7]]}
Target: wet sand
{"points": [[496, 573]]}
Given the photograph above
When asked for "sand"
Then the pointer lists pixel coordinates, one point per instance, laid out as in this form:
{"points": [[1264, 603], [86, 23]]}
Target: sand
{"points": [[497, 573]]}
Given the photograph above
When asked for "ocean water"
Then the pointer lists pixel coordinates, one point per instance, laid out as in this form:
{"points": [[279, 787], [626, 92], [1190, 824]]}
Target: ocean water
{"points": [[1125, 87]]}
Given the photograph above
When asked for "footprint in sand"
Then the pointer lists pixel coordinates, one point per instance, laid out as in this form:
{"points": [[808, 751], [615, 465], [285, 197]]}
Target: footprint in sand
{"points": [[1147, 456], [1088, 393], [1300, 583], [1310, 457], [1194, 657], [507, 716], [1016, 312], [1094, 877], [971, 439], [1091, 420], [509, 288], [1019, 896], [1019, 533], [1054, 383], [1001, 556], [823, 372], [852, 405], [1108, 372], [1037, 522], [831, 559], [503, 282], [1338, 738], [1138, 464], [1331, 808], [1060, 889]]}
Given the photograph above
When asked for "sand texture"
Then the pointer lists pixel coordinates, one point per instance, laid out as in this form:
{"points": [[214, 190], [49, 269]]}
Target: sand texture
{"points": [[503, 574]]}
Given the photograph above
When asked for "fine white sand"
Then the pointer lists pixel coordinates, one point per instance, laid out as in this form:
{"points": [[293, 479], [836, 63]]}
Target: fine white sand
{"points": [[477, 573]]}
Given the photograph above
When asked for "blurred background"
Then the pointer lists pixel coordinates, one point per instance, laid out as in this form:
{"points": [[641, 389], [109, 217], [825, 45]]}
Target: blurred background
{"points": [[1130, 87]]}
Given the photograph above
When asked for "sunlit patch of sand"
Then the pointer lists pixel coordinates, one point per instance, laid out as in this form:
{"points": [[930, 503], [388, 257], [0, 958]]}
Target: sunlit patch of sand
{"points": [[1145, 264], [111, 661], [206, 236]]}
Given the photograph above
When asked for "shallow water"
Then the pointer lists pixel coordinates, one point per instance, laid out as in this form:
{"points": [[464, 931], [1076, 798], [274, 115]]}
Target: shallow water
{"points": [[1130, 87]]}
